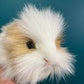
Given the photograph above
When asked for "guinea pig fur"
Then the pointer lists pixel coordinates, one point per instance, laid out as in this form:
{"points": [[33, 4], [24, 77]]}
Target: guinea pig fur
{"points": [[30, 47]]}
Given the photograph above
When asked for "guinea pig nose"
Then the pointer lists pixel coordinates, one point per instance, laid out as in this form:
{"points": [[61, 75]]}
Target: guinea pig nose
{"points": [[46, 61]]}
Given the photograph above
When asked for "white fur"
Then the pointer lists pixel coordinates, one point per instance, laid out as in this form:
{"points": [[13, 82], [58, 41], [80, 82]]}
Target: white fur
{"points": [[43, 27]]}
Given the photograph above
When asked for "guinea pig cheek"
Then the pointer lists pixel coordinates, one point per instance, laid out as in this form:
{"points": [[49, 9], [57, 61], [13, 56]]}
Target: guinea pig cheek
{"points": [[31, 67], [64, 61]]}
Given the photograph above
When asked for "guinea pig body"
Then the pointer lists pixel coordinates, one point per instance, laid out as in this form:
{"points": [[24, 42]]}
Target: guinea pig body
{"points": [[30, 47]]}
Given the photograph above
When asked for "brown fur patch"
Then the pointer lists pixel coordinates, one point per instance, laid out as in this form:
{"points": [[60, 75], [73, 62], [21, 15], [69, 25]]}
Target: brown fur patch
{"points": [[59, 41], [15, 42]]}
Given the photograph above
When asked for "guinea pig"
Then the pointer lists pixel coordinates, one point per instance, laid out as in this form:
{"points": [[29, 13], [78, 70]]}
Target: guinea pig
{"points": [[30, 47]]}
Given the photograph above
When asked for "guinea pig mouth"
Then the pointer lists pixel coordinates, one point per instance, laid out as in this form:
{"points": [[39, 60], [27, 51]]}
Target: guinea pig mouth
{"points": [[51, 68], [48, 70]]}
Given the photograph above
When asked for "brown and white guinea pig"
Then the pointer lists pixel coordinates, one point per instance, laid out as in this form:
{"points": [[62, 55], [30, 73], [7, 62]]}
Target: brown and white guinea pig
{"points": [[30, 47]]}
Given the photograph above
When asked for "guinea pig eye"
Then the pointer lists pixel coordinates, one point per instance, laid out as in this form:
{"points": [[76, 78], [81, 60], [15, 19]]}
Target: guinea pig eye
{"points": [[30, 45]]}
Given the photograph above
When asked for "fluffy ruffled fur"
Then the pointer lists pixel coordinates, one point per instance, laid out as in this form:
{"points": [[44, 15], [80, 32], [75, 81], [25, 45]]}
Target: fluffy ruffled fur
{"points": [[43, 27]]}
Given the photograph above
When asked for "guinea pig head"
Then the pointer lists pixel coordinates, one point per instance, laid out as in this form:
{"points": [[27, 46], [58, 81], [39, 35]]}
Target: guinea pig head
{"points": [[32, 46]]}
